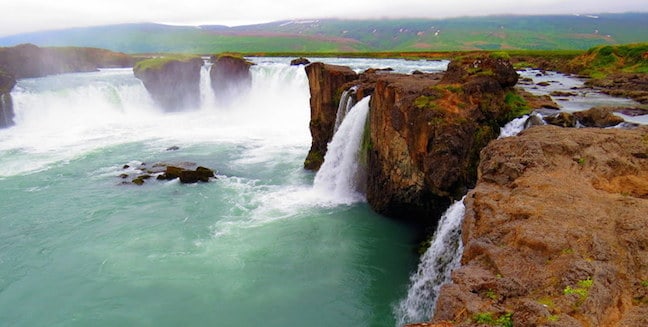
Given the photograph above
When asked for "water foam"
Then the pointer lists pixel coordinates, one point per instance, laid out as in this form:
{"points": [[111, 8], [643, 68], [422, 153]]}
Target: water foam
{"points": [[443, 255], [338, 180]]}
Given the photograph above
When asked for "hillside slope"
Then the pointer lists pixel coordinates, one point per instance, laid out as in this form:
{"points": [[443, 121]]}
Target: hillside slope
{"points": [[330, 35]]}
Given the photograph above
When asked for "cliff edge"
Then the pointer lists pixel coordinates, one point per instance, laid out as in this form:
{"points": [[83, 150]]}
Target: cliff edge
{"points": [[554, 232]]}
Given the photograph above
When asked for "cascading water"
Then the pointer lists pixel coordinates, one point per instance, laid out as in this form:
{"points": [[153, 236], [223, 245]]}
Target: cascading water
{"points": [[347, 101], [80, 249], [443, 255], [339, 178]]}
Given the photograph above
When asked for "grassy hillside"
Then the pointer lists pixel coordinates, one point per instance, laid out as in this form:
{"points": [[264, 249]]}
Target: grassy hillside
{"points": [[456, 34]]}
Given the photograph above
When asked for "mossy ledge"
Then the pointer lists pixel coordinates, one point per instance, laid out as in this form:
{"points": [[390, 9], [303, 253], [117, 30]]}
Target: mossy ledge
{"points": [[173, 81]]}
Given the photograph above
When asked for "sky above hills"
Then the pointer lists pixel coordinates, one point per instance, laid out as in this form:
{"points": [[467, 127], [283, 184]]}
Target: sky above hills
{"points": [[36, 15]]}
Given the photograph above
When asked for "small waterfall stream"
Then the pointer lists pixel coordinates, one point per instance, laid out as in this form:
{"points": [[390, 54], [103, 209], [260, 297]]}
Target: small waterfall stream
{"points": [[339, 176], [347, 101], [443, 255]]}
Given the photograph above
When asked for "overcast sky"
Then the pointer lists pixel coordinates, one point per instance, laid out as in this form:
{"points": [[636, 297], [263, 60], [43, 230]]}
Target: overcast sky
{"points": [[19, 16]]}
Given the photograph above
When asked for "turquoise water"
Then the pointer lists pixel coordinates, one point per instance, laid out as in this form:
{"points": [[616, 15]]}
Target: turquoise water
{"points": [[257, 246]]}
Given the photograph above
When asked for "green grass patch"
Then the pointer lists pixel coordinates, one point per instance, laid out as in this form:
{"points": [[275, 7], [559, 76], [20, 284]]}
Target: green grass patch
{"points": [[159, 62], [488, 318]]}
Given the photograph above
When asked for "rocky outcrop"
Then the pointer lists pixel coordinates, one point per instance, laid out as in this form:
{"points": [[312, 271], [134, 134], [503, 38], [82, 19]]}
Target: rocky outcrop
{"points": [[186, 172], [424, 131], [326, 85], [28, 60], [230, 77], [554, 232], [7, 82], [173, 82], [299, 61], [425, 135]]}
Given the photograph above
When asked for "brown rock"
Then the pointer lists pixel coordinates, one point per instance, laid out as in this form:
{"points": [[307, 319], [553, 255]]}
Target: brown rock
{"points": [[299, 61], [230, 77], [562, 119], [174, 83], [598, 117], [556, 231], [325, 83]]}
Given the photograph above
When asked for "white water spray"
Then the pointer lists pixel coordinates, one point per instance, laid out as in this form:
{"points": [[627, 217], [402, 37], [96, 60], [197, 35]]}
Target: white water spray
{"points": [[339, 178], [443, 255]]}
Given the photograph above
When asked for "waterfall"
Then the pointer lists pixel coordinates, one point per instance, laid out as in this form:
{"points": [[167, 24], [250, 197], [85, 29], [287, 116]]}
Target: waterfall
{"points": [[443, 255], [347, 101], [339, 179], [207, 97], [6, 110]]}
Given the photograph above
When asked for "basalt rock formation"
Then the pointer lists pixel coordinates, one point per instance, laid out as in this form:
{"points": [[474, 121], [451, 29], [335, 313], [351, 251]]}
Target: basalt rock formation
{"points": [[172, 82], [424, 131], [326, 85], [554, 232], [230, 77], [28, 60]]}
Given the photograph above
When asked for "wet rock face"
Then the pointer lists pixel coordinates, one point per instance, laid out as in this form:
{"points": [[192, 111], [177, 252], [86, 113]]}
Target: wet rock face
{"points": [[554, 231], [230, 77], [7, 82], [426, 132], [174, 84], [186, 172], [326, 85]]}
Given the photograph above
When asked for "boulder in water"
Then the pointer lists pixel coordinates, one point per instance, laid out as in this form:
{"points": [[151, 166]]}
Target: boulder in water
{"points": [[562, 119], [172, 81], [598, 117], [299, 61], [184, 171]]}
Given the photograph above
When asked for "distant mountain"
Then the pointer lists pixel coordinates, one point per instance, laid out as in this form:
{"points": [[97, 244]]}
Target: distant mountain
{"points": [[331, 35]]}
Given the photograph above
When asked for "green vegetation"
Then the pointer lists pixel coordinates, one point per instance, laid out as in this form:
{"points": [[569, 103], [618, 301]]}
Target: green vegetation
{"points": [[581, 289], [516, 105], [601, 61], [159, 62], [490, 33], [426, 102], [487, 318], [644, 283]]}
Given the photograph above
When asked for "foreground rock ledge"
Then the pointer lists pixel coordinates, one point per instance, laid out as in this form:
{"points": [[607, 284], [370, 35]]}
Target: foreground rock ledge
{"points": [[555, 232]]}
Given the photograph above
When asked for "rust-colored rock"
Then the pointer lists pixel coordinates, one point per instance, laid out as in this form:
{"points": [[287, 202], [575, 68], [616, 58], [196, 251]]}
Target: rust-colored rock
{"points": [[325, 83], [554, 231], [598, 117], [426, 134]]}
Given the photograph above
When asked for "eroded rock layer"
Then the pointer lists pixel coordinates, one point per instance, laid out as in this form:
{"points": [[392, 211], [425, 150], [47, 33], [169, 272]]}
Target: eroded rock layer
{"points": [[555, 232]]}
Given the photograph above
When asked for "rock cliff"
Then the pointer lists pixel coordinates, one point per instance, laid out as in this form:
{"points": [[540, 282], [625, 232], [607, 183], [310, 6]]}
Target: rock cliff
{"points": [[7, 82], [173, 81], [28, 60], [554, 232], [424, 131], [326, 85], [230, 77]]}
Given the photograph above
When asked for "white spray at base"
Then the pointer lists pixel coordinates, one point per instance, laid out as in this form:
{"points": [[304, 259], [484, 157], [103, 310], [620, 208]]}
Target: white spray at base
{"points": [[339, 179], [443, 255]]}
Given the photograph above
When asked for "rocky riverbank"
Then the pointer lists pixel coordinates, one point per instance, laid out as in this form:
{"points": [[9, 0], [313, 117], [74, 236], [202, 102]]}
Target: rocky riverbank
{"points": [[554, 232]]}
